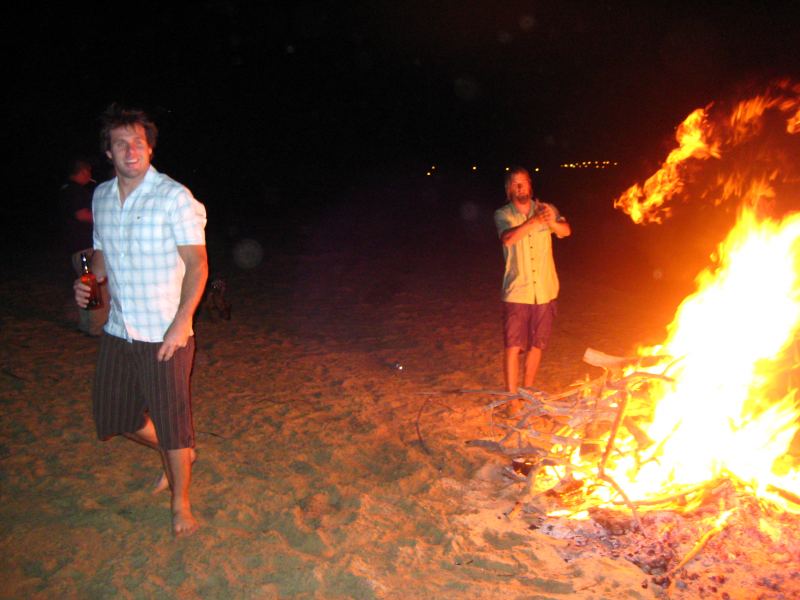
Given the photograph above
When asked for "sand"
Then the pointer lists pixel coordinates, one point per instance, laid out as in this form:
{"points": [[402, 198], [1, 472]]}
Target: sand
{"points": [[324, 471]]}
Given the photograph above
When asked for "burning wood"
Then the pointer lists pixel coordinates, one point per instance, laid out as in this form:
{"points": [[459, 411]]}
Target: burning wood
{"points": [[561, 447], [692, 435]]}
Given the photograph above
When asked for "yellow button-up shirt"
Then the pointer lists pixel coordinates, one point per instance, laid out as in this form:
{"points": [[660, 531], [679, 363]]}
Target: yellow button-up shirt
{"points": [[530, 272]]}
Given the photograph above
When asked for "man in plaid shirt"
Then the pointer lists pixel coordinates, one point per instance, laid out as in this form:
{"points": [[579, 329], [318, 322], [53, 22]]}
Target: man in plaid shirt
{"points": [[149, 243]]}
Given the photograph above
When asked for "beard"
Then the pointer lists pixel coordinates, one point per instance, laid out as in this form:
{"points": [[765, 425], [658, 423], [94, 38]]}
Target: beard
{"points": [[521, 197]]}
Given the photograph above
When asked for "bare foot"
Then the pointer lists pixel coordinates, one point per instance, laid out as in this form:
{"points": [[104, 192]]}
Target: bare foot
{"points": [[162, 482], [183, 522], [511, 408]]}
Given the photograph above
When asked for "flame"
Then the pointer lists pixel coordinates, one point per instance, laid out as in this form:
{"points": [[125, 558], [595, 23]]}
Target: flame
{"points": [[719, 417], [728, 408], [701, 137], [646, 203]]}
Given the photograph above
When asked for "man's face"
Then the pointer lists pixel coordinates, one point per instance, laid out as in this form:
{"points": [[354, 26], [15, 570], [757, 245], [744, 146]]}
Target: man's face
{"points": [[519, 188], [130, 153]]}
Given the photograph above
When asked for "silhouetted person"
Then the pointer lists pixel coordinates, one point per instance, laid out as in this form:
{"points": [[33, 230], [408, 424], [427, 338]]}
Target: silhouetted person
{"points": [[530, 283], [149, 241], [75, 201]]}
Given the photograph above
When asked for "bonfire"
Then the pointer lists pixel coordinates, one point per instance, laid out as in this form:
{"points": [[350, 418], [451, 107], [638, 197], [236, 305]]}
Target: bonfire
{"points": [[694, 434]]}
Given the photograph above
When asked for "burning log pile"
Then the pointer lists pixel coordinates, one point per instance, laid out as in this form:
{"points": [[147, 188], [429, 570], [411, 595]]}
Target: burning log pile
{"points": [[682, 457], [565, 452]]}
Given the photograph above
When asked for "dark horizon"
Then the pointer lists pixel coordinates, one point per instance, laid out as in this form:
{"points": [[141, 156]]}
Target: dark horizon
{"points": [[266, 106]]}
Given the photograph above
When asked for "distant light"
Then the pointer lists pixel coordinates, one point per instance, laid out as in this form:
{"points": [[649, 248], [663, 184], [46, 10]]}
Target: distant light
{"points": [[508, 168], [428, 173], [474, 167], [536, 170], [589, 164], [433, 167]]}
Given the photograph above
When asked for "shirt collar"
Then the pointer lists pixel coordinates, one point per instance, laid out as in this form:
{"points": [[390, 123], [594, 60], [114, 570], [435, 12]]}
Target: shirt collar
{"points": [[147, 183], [149, 177], [516, 211]]}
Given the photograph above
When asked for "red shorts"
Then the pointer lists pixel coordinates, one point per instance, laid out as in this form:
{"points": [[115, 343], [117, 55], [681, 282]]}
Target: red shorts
{"points": [[528, 326]]}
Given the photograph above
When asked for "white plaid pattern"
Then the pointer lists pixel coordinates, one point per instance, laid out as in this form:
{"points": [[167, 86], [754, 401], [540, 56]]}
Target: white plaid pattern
{"points": [[140, 242]]}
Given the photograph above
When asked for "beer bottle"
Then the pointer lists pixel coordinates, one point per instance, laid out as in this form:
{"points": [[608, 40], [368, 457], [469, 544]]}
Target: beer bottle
{"points": [[88, 278]]}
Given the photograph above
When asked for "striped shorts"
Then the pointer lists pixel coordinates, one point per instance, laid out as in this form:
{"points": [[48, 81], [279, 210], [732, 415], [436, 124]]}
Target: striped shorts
{"points": [[130, 383]]}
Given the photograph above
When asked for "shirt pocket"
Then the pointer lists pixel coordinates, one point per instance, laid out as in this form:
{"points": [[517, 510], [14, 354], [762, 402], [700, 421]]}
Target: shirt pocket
{"points": [[149, 233]]}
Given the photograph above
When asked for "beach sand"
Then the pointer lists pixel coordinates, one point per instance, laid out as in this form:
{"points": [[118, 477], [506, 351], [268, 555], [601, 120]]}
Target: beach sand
{"points": [[324, 471]]}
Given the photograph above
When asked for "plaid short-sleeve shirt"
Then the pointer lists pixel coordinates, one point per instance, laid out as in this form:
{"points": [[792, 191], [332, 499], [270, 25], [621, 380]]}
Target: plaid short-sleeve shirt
{"points": [[139, 240]]}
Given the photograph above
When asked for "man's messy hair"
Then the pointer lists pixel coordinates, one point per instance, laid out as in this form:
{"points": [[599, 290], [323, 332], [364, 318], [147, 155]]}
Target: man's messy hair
{"points": [[117, 115]]}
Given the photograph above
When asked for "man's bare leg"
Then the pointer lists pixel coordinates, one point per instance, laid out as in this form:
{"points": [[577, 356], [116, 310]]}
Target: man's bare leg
{"points": [[180, 469], [147, 437], [163, 482], [511, 372], [532, 360], [511, 368]]}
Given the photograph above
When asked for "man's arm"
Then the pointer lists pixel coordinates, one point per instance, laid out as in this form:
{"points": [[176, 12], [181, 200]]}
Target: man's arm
{"points": [[512, 235], [547, 216], [99, 265], [555, 221], [194, 282], [84, 215], [560, 228]]}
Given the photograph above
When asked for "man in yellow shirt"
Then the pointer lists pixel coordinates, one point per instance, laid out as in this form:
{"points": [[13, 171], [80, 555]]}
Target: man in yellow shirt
{"points": [[530, 283]]}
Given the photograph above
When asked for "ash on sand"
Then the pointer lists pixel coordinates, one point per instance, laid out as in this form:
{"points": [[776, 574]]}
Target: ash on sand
{"points": [[754, 555]]}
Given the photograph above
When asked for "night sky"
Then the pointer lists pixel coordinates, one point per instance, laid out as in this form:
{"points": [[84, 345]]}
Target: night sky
{"points": [[308, 96]]}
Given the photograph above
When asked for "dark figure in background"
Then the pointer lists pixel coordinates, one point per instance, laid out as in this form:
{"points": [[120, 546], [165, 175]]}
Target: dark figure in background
{"points": [[216, 303], [530, 283], [149, 240], [75, 202]]}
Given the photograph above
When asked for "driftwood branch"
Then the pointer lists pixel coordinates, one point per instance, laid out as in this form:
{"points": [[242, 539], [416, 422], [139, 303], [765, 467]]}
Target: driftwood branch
{"points": [[416, 425], [582, 413], [213, 434], [614, 430], [721, 523], [602, 421], [511, 452]]}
